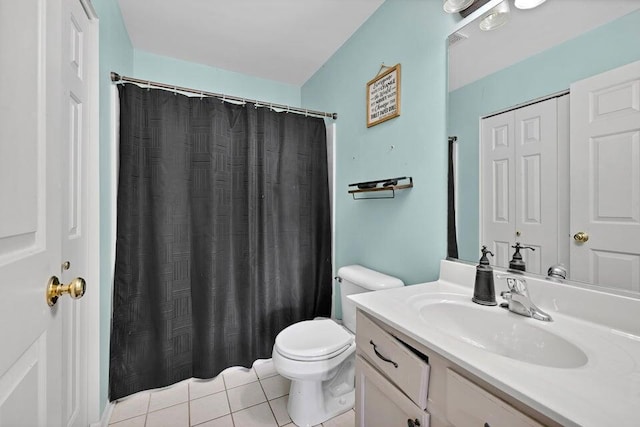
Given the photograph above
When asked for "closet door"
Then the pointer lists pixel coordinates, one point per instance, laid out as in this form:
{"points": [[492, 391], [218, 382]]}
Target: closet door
{"points": [[498, 174], [536, 189], [519, 184]]}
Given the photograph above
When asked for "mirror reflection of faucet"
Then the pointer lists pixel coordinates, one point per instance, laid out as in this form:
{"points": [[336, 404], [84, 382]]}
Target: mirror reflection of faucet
{"points": [[518, 300], [517, 263]]}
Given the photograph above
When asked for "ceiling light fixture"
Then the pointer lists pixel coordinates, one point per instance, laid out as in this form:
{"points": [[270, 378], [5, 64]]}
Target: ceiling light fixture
{"points": [[527, 4], [454, 6], [496, 17]]}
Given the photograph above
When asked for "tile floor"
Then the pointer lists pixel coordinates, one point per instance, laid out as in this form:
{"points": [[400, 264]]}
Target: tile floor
{"points": [[238, 397]]}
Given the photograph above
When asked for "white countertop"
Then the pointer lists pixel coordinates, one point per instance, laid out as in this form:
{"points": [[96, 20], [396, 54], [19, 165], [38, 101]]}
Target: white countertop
{"points": [[603, 392]]}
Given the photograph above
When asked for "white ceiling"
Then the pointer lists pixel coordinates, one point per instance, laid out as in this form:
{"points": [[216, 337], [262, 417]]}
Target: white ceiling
{"points": [[282, 40], [528, 32]]}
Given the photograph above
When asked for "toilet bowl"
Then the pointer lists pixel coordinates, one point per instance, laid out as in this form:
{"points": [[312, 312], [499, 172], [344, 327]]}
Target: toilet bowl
{"points": [[318, 356]]}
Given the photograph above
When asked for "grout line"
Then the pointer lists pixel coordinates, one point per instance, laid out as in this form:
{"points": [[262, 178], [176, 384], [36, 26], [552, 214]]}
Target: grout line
{"points": [[146, 415], [224, 382], [189, 401], [241, 385], [268, 402]]}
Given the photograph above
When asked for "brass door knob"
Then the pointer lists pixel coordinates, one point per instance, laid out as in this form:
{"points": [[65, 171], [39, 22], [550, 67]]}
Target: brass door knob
{"points": [[75, 289], [581, 237]]}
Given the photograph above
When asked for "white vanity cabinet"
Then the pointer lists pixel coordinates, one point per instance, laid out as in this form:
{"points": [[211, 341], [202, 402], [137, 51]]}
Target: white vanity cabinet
{"points": [[400, 382], [380, 403], [469, 405], [392, 380]]}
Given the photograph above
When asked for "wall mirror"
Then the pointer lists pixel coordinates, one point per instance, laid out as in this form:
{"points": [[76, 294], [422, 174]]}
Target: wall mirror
{"points": [[530, 81]]}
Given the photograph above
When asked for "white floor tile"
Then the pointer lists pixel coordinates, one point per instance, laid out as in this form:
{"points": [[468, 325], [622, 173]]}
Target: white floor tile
{"points": [[225, 421], [256, 416], [131, 422], [238, 376], [200, 388], [169, 396], [348, 419], [209, 407], [279, 408], [264, 368], [174, 416], [245, 395], [275, 387], [130, 407]]}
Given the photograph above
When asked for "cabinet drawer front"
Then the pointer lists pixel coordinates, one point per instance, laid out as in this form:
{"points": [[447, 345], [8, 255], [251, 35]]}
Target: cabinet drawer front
{"points": [[470, 405], [397, 362], [380, 404]]}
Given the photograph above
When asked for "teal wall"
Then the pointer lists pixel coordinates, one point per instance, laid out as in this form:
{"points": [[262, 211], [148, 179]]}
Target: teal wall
{"points": [[599, 50], [405, 236], [153, 67], [116, 54]]}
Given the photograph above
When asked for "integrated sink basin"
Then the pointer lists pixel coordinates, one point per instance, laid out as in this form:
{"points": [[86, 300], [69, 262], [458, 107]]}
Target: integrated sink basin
{"points": [[498, 331]]}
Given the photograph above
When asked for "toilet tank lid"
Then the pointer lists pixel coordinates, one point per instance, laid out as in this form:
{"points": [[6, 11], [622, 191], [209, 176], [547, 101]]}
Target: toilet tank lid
{"points": [[367, 278]]}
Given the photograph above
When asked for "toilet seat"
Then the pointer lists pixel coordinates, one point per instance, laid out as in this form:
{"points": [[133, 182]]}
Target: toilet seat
{"points": [[313, 340]]}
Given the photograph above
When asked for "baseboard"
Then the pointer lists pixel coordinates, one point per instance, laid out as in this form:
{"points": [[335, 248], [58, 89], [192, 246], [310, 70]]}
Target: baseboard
{"points": [[106, 416]]}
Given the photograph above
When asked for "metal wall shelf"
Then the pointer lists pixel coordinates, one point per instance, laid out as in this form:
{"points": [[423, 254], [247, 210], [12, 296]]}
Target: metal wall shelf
{"points": [[381, 189]]}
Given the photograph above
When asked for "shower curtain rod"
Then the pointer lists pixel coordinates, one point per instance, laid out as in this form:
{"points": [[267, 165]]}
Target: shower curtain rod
{"points": [[117, 78]]}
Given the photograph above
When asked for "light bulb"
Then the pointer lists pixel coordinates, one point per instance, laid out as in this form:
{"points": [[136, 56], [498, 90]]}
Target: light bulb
{"points": [[496, 17], [527, 4], [453, 6]]}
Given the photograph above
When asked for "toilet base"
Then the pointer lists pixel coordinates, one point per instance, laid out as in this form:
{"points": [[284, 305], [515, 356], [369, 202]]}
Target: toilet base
{"points": [[314, 402], [309, 405]]}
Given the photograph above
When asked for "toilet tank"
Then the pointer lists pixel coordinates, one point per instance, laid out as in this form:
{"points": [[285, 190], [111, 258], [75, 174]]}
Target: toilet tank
{"points": [[355, 279]]}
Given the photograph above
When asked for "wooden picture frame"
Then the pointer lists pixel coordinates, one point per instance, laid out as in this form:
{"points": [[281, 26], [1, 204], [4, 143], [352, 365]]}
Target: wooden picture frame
{"points": [[383, 96]]}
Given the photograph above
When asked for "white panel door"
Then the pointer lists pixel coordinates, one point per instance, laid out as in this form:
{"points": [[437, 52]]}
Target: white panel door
{"points": [[30, 248], [77, 68], [536, 189], [498, 174], [78, 76], [42, 356], [605, 178]]}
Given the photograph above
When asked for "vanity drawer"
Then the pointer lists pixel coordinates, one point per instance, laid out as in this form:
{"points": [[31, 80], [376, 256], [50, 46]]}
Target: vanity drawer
{"points": [[380, 403], [469, 405], [404, 368]]}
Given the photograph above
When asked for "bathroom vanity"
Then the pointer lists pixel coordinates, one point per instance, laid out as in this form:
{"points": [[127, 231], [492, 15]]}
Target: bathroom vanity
{"points": [[428, 356]]}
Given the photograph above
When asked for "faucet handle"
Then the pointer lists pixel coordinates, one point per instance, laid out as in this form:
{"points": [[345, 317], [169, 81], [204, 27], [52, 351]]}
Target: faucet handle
{"points": [[516, 284]]}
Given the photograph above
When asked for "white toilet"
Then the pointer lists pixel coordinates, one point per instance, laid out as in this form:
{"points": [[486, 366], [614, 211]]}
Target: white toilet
{"points": [[318, 356]]}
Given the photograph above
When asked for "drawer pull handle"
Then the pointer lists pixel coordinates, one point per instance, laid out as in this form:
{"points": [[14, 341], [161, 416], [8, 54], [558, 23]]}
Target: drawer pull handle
{"points": [[375, 350], [413, 423]]}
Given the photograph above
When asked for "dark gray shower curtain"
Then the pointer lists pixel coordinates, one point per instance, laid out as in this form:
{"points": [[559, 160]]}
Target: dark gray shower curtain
{"points": [[223, 235]]}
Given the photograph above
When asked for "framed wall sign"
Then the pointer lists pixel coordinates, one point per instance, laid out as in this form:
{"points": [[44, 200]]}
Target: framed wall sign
{"points": [[383, 96]]}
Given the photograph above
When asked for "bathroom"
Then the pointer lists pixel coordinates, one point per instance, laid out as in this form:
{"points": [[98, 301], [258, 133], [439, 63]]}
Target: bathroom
{"points": [[404, 237]]}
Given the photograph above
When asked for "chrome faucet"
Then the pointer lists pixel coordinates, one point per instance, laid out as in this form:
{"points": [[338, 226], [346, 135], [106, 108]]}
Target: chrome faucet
{"points": [[518, 300]]}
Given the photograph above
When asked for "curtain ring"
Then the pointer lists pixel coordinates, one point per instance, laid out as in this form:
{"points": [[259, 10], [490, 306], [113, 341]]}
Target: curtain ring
{"points": [[201, 95], [223, 99], [306, 112], [175, 90], [148, 85], [270, 107], [288, 108], [244, 102]]}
